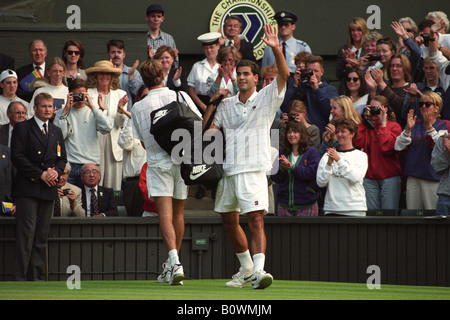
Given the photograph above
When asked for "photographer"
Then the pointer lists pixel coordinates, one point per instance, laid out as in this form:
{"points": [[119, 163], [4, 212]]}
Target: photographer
{"points": [[376, 137], [69, 197], [79, 121]]}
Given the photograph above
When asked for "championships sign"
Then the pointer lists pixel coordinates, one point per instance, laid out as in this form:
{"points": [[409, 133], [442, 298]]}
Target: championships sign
{"points": [[254, 15]]}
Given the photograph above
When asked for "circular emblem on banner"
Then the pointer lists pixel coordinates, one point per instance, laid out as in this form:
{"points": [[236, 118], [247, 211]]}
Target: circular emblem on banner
{"points": [[254, 15]]}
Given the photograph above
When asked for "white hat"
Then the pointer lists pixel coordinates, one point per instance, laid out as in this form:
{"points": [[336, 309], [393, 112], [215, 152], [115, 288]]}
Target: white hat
{"points": [[7, 73], [209, 38]]}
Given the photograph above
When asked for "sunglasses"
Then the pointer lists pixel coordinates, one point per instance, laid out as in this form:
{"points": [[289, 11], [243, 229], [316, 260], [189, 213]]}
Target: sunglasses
{"points": [[409, 30], [355, 79], [70, 52], [427, 104]]}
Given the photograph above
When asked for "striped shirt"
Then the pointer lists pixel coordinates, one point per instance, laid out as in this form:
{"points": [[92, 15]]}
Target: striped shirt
{"points": [[163, 39]]}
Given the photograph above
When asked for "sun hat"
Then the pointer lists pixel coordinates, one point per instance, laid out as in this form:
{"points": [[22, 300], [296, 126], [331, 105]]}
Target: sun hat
{"points": [[104, 66]]}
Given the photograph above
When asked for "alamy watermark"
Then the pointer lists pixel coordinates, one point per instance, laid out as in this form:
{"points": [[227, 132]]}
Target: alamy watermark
{"points": [[374, 280], [74, 280]]}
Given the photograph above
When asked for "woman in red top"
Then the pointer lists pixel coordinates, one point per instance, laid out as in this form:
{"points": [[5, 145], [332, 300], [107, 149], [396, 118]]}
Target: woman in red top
{"points": [[383, 177]]}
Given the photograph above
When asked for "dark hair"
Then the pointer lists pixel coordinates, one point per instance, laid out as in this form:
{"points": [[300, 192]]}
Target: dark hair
{"points": [[248, 63], [425, 24], [304, 137], [314, 59], [116, 43], [362, 80], [79, 45], [77, 83], [348, 124], [387, 41]]}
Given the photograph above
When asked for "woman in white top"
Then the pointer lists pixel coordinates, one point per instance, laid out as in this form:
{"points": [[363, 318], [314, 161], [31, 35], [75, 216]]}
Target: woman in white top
{"points": [[201, 70], [225, 78], [104, 88], [55, 70], [342, 171]]}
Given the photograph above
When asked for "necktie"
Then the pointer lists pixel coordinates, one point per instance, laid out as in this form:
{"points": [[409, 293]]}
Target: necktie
{"points": [[44, 130], [230, 43], [284, 49], [57, 208], [94, 203]]}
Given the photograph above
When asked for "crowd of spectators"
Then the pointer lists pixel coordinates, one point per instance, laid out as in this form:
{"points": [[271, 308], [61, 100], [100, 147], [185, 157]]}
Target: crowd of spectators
{"points": [[372, 140]]}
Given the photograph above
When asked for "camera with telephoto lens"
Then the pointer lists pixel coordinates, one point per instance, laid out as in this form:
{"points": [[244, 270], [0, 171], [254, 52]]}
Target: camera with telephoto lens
{"points": [[305, 75], [374, 57], [374, 110], [77, 97]]}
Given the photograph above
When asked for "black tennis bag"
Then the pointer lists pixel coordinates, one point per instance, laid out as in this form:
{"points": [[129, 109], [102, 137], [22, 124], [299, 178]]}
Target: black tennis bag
{"points": [[177, 115]]}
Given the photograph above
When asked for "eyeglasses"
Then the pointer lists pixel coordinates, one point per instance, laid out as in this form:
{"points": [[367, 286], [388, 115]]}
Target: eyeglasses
{"points": [[70, 52], [427, 104], [88, 172], [409, 30], [355, 79]]}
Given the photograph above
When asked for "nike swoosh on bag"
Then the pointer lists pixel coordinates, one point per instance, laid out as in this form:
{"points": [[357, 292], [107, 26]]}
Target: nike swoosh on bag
{"points": [[199, 174], [159, 116]]}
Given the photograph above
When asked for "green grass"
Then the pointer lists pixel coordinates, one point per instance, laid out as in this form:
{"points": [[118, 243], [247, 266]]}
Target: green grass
{"points": [[214, 290]]}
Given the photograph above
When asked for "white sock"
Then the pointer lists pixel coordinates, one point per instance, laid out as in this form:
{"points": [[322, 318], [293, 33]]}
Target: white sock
{"points": [[173, 257], [246, 261], [259, 259]]}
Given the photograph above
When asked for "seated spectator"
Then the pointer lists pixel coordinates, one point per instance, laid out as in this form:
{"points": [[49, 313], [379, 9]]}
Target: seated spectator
{"points": [[6, 178], [341, 108], [297, 112], [419, 138], [82, 123], [55, 70], [38, 52], [69, 202], [98, 201], [73, 55], [296, 177], [398, 82], [342, 173], [440, 161], [355, 88], [225, 77], [318, 94], [383, 179], [16, 112], [175, 79], [349, 54], [8, 84]]}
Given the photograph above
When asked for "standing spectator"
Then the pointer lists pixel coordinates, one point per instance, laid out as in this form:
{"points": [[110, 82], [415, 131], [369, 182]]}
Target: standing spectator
{"points": [[54, 74], [290, 46], [82, 124], [73, 55], [38, 52], [39, 155], [130, 80], [296, 177], [232, 29], [383, 178], [440, 161], [174, 79], [8, 83], [225, 78], [155, 36], [164, 180], [201, 70], [355, 88], [419, 138], [342, 173], [104, 88], [349, 54]]}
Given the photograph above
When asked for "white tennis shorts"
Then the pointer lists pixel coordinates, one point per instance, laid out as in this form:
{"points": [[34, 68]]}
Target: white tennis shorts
{"points": [[161, 183], [243, 192]]}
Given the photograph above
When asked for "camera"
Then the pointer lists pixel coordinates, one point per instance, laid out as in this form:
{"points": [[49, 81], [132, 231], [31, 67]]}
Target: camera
{"points": [[292, 116], [77, 97], [66, 192], [374, 110], [374, 57], [306, 74], [426, 37]]}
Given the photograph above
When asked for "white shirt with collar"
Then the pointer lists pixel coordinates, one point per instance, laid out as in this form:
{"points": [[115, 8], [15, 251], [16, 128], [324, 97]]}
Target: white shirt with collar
{"points": [[40, 123]]}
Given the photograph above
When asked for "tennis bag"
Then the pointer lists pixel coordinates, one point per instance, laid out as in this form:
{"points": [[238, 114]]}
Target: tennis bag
{"points": [[165, 120]]}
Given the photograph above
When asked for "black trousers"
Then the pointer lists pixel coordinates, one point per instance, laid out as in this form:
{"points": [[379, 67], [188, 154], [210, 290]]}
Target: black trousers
{"points": [[33, 217]]}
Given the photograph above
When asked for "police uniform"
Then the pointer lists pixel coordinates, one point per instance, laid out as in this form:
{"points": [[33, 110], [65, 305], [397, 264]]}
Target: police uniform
{"points": [[292, 45]]}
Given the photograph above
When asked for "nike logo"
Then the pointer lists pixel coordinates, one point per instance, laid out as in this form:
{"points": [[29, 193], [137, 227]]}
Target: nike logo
{"points": [[198, 171], [159, 115], [248, 277]]}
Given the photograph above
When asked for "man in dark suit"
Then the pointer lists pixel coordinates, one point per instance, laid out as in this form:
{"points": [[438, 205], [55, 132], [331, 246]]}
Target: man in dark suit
{"points": [[6, 62], [97, 201], [38, 53], [39, 156], [16, 112], [232, 29]]}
